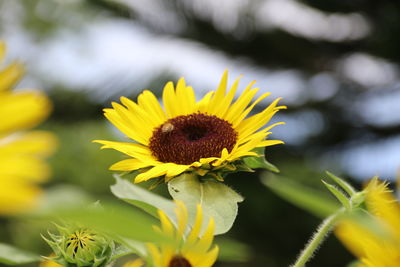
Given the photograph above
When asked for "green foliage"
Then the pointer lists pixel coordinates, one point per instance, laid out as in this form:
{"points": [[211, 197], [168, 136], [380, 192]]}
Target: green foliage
{"points": [[216, 199], [77, 160], [231, 250], [307, 198], [142, 198], [342, 183], [14, 256], [339, 195], [111, 218], [256, 162]]}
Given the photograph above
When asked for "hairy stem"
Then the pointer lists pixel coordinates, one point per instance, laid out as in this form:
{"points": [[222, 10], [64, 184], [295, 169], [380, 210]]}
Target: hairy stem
{"points": [[317, 239]]}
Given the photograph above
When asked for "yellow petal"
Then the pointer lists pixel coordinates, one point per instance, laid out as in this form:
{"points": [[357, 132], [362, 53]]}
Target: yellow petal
{"points": [[17, 196], [49, 263], [10, 76], [2, 50], [22, 110], [133, 150], [24, 168], [185, 97], [240, 104], [210, 258], [208, 236], [149, 103], [182, 215], [37, 143], [166, 224], [134, 263], [170, 102], [154, 172], [131, 165], [195, 232], [242, 116], [383, 204]]}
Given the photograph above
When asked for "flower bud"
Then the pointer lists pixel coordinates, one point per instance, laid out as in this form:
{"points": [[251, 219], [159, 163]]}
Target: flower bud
{"points": [[80, 247]]}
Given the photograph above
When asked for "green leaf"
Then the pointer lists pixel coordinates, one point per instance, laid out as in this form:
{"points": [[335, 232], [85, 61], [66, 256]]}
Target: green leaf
{"points": [[122, 250], [342, 183], [231, 250], [217, 199], [142, 198], [255, 162], [307, 198], [354, 264], [339, 195], [113, 219], [64, 195], [136, 247], [14, 256]]}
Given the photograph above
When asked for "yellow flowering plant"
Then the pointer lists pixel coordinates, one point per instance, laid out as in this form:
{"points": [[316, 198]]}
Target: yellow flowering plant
{"points": [[367, 221], [375, 248], [209, 136], [22, 151], [192, 145]]}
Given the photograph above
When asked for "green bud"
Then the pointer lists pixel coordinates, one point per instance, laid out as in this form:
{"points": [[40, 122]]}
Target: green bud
{"points": [[358, 199], [80, 247]]}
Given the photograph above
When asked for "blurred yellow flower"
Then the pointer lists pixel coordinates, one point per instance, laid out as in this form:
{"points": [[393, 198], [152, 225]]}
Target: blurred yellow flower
{"points": [[22, 152], [49, 263], [186, 135], [371, 249], [134, 263], [188, 249]]}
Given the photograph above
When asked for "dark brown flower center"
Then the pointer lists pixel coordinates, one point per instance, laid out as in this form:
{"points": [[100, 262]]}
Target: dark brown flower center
{"points": [[179, 261], [186, 139]]}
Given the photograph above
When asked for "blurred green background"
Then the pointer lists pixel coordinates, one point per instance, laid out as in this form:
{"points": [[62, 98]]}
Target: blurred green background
{"points": [[335, 63]]}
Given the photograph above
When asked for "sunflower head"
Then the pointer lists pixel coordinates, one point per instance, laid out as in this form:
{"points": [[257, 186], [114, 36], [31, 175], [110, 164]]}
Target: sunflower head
{"points": [[76, 246], [208, 136], [188, 247]]}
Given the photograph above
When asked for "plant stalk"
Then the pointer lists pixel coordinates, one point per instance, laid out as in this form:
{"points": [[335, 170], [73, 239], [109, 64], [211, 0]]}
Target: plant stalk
{"points": [[317, 239]]}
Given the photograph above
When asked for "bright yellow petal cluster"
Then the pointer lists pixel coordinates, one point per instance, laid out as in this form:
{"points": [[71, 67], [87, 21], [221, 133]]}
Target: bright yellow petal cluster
{"points": [[139, 120], [134, 263], [374, 250], [189, 244], [22, 152], [49, 263]]}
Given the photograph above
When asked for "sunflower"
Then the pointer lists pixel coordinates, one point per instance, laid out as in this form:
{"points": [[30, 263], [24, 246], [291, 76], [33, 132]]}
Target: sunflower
{"points": [[135, 263], [371, 249], [49, 263], [187, 248], [22, 152], [189, 135]]}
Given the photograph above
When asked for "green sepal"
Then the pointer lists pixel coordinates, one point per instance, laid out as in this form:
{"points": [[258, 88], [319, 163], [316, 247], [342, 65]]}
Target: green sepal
{"points": [[342, 183], [339, 195], [255, 162], [216, 175]]}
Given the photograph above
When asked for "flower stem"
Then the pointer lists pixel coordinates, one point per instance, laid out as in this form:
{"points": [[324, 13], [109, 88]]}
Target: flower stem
{"points": [[317, 239]]}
